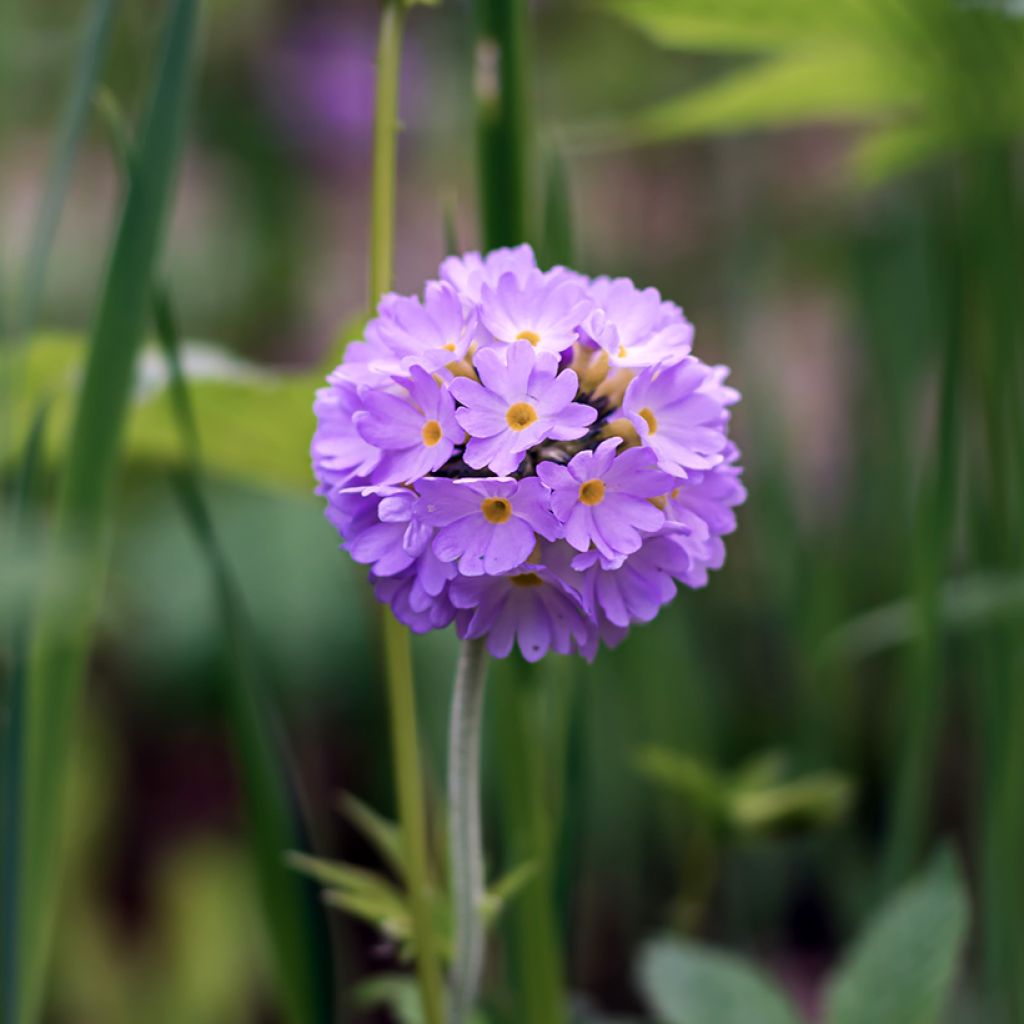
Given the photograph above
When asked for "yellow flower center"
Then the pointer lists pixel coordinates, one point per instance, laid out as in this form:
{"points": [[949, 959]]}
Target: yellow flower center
{"points": [[520, 415], [531, 336], [450, 347], [431, 433], [649, 419], [526, 579], [622, 352], [592, 492], [496, 510]]}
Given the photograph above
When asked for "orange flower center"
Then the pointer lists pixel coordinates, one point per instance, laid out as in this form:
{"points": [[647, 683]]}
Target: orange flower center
{"points": [[520, 415], [649, 419], [592, 492], [431, 433], [496, 510]]}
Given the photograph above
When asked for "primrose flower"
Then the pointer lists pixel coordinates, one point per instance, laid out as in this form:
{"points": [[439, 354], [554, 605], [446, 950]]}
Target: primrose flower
{"points": [[534, 456], [519, 401]]}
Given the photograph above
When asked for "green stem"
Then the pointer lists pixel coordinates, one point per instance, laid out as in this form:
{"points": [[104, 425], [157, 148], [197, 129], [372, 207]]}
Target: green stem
{"points": [[524, 747], [385, 149], [405, 751], [465, 830], [405, 748]]}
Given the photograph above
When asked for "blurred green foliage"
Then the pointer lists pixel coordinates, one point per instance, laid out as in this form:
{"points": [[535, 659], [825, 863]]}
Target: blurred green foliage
{"points": [[925, 76]]}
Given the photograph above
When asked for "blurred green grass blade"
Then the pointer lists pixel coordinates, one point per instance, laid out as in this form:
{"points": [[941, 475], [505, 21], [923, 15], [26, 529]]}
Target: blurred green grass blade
{"points": [[557, 243], [300, 946], [63, 631], [12, 729], [687, 983], [972, 602], [901, 970], [296, 931], [76, 113]]}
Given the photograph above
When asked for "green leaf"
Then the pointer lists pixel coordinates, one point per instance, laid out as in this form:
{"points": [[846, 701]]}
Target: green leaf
{"points": [[684, 775], [63, 633], [814, 800], [729, 25], [385, 836], [834, 83], [400, 996], [901, 970], [686, 983], [971, 602], [76, 113], [229, 397], [349, 878], [506, 888]]}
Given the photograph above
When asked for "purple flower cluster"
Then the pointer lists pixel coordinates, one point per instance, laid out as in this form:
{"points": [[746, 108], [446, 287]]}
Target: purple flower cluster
{"points": [[533, 455]]}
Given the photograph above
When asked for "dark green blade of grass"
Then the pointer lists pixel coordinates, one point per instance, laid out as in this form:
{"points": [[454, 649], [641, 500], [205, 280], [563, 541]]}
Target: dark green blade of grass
{"points": [[12, 725], [63, 632], [58, 178], [76, 113], [295, 921], [502, 121]]}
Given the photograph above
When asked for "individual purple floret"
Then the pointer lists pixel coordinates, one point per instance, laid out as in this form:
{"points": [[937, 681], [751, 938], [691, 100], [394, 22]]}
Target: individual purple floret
{"points": [[519, 401], [417, 432], [533, 455], [602, 499], [489, 525], [680, 423]]}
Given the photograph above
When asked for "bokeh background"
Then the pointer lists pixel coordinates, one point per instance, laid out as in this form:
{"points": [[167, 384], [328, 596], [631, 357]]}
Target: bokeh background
{"points": [[738, 768]]}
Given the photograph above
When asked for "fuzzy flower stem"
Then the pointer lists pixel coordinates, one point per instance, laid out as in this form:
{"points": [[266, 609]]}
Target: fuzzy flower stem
{"points": [[465, 832], [397, 655]]}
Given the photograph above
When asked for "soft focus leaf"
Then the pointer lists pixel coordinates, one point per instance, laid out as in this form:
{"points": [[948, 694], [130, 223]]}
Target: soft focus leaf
{"points": [[758, 798], [901, 970], [836, 83], [400, 996], [818, 799], [76, 113], [63, 633], [972, 602], [686, 983], [385, 836], [684, 775], [922, 77], [506, 888], [230, 398], [728, 25]]}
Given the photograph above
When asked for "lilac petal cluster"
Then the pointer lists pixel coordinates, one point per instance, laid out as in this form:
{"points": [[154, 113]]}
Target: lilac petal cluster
{"points": [[533, 455]]}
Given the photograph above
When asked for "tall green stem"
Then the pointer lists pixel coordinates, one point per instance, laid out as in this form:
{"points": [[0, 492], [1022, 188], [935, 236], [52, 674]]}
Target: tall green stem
{"points": [[405, 748], [385, 149], [464, 828]]}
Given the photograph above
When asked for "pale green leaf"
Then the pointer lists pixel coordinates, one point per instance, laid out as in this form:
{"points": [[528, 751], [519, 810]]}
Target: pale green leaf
{"points": [[385, 836], [687, 983], [901, 970], [730, 25], [825, 84]]}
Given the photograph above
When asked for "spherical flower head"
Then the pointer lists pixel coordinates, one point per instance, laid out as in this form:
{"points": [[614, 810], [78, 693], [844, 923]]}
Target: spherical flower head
{"points": [[533, 455]]}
